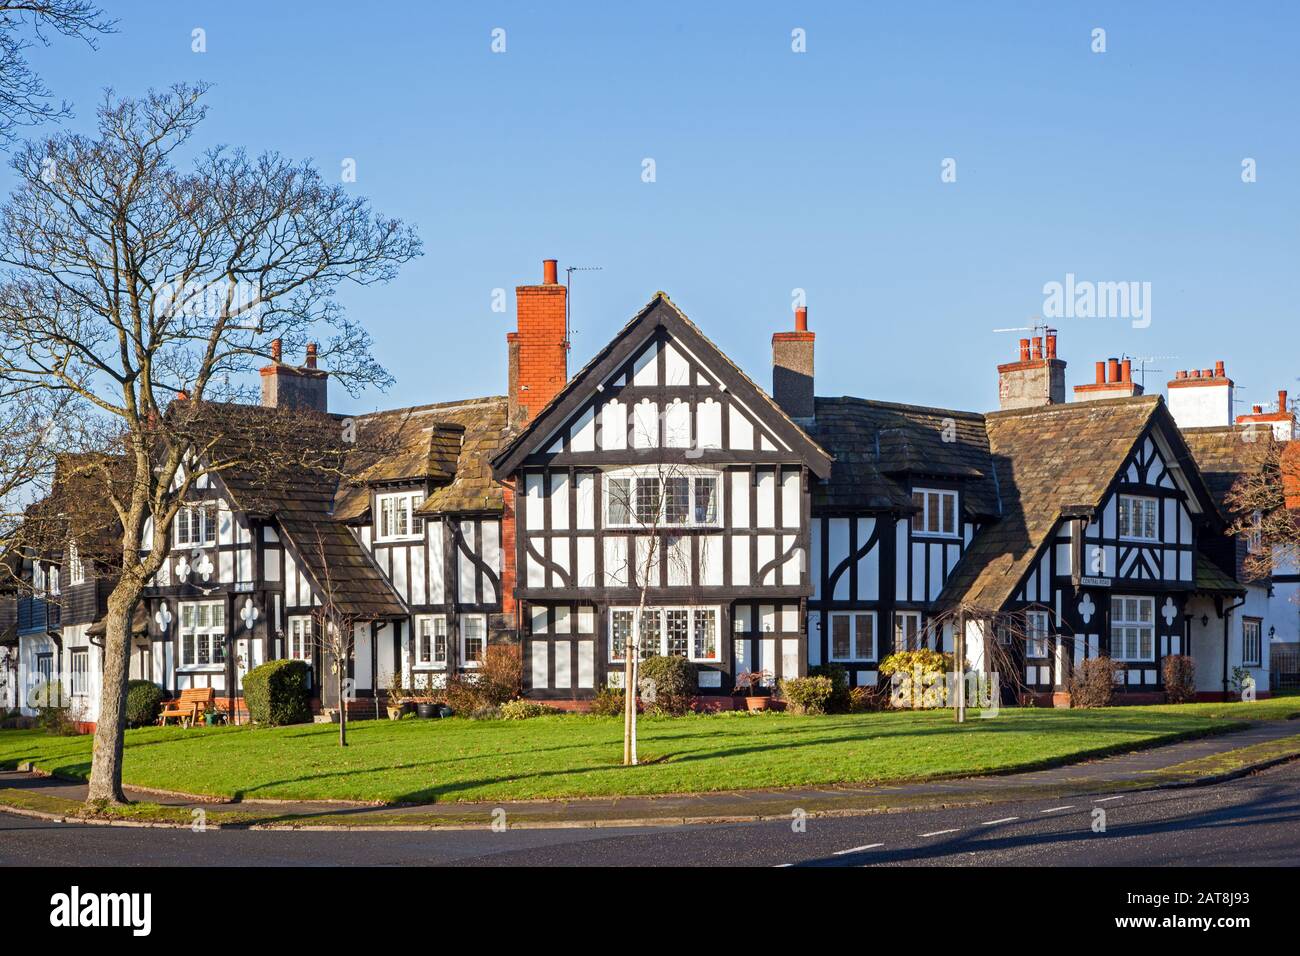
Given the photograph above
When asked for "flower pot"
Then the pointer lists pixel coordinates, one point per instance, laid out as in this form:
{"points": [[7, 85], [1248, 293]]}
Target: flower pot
{"points": [[407, 707], [445, 711], [758, 703], [394, 713], [427, 710], [210, 719]]}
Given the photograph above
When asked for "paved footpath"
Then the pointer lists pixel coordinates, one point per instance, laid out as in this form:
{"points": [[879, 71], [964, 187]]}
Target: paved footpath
{"points": [[1126, 772]]}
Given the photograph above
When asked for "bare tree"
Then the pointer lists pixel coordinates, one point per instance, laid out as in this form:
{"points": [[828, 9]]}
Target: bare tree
{"points": [[1264, 504], [25, 100], [129, 282]]}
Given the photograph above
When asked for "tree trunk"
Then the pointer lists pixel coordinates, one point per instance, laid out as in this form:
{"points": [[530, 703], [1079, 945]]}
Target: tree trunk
{"points": [[629, 701], [343, 709], [106, 760]]}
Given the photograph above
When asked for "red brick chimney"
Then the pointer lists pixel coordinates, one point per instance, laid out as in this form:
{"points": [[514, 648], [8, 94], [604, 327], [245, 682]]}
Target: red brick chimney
{"points": [[1114, 380], [539, 348], [792, 368]]}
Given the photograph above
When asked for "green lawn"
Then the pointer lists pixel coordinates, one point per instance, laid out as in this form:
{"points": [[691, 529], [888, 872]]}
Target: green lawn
{"points": [[576, 755]]}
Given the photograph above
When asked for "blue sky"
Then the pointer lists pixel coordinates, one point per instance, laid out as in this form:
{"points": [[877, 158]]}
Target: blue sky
{"points": [[777, 170]]}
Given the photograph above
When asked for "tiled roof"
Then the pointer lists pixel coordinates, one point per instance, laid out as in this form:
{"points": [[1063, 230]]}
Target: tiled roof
{"points": [[290, 467], [1211, 579], [877, 446], [449, 444], [1047, 460], [1224, 454]]}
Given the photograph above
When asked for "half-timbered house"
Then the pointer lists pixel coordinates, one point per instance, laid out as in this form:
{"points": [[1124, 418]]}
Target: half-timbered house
{"points": [[760, 530]]}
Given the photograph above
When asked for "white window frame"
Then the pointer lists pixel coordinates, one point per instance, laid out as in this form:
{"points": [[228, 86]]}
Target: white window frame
{"points": [[212, 635], [298, 637], [406, 504], [1247, 640], [693, 476], [931, 499], [1255, 537], [430, 629], [695, 615], [464, 639], [856, 651], [1038, 628], [54, 580], [207, 515], [1147, 506], [79, 677], [76, 570], [919, 635], [38, 579], [1122, 628]]}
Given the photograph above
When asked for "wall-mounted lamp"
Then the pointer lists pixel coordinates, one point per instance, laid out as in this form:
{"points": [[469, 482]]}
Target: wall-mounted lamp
{"points": [[1205, 620]]}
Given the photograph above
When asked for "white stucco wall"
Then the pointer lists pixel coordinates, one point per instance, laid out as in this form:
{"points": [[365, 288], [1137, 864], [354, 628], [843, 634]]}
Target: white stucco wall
{"points": [[1201, 406], [1207, 640]]}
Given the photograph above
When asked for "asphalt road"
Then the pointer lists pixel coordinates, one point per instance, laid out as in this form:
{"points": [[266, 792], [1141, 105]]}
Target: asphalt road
{"points": [[1251, 821]]}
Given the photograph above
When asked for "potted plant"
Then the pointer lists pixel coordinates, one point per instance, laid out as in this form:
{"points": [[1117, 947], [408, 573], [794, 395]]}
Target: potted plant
{"points": [[396, 698], [212, 716], [751, 685]]}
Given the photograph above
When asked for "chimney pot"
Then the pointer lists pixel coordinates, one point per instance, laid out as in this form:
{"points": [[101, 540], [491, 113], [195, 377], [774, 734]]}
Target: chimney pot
{"points": [[1218, 370], [801, 319], [1024, 350], [1281, 400], [1126, 371], [1112, 370], [1101, 373], [1182, 373], [1196, 373], [1209, 373], [550, 272], [275, 350], [1051, 344], [1257, 409], [311, 354]]}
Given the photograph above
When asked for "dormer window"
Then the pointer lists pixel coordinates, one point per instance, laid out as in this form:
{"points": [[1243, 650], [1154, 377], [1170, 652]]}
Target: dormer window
{"points": [[936, 512], [1138, 518], [397, 516]]}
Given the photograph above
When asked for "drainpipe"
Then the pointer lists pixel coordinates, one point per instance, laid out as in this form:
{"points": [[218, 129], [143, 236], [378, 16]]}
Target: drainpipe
{"points": [[1226, 614]]}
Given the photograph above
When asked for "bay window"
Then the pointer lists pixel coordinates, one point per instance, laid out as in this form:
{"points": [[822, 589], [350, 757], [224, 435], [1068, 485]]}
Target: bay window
{"points": [[203, 634], [1132, 628], [690, 632]]}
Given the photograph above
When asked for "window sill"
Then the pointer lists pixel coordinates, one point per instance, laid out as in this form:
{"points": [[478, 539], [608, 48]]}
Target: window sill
{"points": [[1128, 540], [397, 539], [432, 668], [201, 669]]}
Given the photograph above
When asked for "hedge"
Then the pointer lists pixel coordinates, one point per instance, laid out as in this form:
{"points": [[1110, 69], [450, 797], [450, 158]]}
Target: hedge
{"points": [[143, 703], [277, 693]]}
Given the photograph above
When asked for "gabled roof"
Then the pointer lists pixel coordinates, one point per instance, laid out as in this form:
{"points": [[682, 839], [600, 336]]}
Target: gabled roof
{"points": [[1049, 462], [659, 311], [448, 445], [879, 446], [294, 462]]}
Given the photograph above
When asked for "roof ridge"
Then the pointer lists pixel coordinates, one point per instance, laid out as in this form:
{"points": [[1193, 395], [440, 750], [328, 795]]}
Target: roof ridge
{"points": [[902, 406], [1064, 407]]}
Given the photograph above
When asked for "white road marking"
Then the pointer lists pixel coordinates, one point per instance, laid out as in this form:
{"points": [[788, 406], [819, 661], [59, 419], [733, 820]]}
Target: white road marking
{"points": [[1054, 809], [857, 849], [1104, 799], [940, 832], [989, 823]]}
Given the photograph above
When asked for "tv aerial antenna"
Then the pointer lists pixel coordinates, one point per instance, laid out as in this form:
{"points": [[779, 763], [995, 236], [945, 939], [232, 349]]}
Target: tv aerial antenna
{"points": [[568, 297]]}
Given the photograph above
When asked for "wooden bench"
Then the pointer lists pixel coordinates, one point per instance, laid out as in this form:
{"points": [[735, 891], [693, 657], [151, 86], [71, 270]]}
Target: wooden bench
{"points": [[189, 708]]}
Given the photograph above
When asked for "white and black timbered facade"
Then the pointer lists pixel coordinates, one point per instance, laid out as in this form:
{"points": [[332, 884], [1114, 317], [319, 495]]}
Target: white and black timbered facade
{"points": [[661, 471]]}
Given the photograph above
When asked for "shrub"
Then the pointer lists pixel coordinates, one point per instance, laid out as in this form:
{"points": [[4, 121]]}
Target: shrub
{"points": [[501, 675], [1093, 683], [521, 709], [143, 703], [608, 702], [864, 699], [1180, 678], [808, 695], [277, 693], [839, 702], [486, 712], [56, 721], [902, 667], [667, 684]]}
